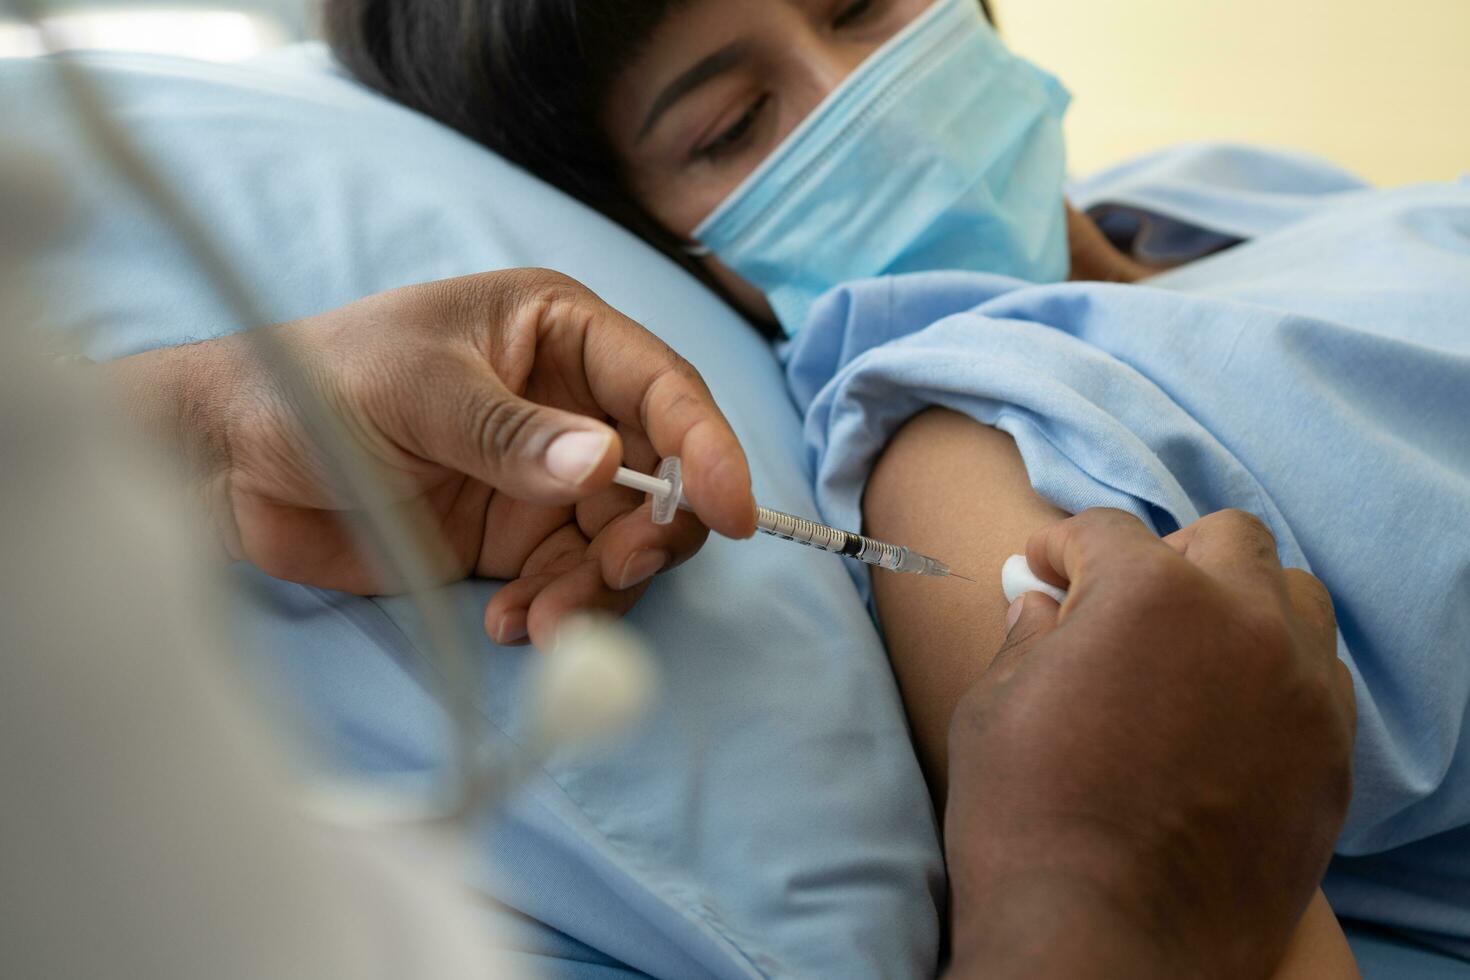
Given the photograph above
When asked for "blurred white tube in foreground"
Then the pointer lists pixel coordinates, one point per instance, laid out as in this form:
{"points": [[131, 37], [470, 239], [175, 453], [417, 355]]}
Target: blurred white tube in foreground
{"points": [[206, 34], [148, 829]]}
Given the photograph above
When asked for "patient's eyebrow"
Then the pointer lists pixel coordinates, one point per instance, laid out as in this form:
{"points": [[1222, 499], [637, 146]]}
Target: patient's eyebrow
{"points": [[714, 65]]}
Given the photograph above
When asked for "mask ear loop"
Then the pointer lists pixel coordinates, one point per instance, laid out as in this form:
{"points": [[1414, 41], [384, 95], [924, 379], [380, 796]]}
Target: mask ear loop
{"points": [[697, 251]]}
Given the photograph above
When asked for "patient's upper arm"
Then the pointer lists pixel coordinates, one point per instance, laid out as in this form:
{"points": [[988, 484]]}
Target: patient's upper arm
{"points": [[958, 490], [955, 489]]}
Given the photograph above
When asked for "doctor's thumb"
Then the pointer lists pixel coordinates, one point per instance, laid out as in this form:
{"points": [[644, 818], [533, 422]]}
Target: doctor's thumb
{"points": [[532, 452], [1028, 621]]}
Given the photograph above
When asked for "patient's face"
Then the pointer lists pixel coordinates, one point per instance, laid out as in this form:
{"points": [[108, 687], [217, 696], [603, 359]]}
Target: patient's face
{"points": [[721, 84]]}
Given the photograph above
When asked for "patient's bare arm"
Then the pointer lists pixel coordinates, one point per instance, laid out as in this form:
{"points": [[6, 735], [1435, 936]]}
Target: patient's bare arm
{"points": [[957, 490]]}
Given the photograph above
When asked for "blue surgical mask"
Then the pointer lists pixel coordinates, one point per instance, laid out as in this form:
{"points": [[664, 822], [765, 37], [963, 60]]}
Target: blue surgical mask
{"points": [[942, 151]]}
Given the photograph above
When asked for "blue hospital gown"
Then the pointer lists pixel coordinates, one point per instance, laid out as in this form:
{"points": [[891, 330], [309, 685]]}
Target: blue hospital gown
{"points": [[1313, 367]]}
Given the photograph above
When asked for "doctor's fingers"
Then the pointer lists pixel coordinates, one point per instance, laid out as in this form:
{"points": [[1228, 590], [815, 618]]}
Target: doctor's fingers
{"points": [[632, 549], [619, 523], [570, 573], [1236, 548], [602, 508], [1312, 604], [1029, 620], [613, 527], [454, 411], [561, 555], [640, 381], [1081, 551]]}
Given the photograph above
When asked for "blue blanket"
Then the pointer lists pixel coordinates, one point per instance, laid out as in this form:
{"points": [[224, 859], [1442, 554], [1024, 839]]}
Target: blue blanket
{"points": [[1311, 366]]}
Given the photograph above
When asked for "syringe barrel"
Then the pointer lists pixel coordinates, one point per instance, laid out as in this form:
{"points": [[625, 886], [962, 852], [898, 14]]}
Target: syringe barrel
{"points": [[831, 539], [802, 531], [894, 557]]}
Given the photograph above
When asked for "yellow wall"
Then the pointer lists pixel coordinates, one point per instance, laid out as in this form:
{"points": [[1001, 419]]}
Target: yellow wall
{"points": [[1380, 86]]}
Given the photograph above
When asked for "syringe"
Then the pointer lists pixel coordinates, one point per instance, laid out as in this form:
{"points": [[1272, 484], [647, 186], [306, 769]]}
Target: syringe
{"points": [[667, 491]]}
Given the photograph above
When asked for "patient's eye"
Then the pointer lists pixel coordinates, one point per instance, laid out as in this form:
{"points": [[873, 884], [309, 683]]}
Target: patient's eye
{"points": [[730, 140], [853, 13]]}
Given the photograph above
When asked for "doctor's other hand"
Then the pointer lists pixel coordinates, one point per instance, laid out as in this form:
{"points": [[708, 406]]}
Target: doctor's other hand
{"points": [[501, 402], [1148, 780]]}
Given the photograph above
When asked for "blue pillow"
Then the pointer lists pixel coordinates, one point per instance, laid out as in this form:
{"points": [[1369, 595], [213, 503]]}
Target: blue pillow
{"points": [[771, 820]]}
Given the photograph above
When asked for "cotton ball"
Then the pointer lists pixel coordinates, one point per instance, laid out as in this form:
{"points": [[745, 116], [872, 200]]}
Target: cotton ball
{"points": [[599, 680], [1016, 579]]}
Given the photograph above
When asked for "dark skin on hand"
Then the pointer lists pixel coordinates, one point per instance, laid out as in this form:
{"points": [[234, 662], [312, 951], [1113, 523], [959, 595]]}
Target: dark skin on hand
{"points": [[462, 394], [1148, 780]]}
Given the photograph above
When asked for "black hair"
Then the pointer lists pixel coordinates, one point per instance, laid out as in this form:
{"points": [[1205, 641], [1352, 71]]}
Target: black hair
{"points": [[523, 77]]}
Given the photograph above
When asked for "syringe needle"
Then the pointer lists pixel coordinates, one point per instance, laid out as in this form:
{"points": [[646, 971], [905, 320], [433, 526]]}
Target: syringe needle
{"points": [[965, 577]]}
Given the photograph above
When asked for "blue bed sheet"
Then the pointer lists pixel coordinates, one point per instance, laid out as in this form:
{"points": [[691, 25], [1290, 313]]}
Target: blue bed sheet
{"points": [[1383, 956]]}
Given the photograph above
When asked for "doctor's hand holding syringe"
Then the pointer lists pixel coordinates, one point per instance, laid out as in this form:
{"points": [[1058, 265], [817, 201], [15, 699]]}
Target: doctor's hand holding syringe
{"points": [[503, 403], [481, 401]]}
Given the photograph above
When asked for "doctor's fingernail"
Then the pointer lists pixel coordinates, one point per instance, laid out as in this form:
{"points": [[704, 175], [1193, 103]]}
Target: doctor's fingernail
{"points": [[511, 628], [641, 566], [573, 456], [1014, 613]]}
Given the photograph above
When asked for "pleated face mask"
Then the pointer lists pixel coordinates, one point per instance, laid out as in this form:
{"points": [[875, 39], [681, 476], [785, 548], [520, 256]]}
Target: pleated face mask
{"points": [[943, 150]]}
